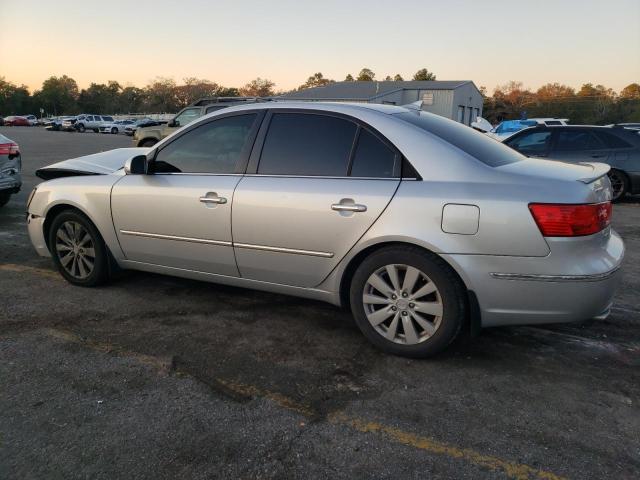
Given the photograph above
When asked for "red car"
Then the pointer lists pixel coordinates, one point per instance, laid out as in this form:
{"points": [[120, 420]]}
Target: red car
{"points": [[15, 121]]}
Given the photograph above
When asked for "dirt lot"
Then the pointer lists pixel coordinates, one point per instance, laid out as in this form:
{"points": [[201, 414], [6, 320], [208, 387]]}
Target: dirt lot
{"points": [[157, 377]]}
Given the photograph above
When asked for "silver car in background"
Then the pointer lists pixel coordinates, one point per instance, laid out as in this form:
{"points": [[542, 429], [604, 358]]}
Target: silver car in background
{"points": [[421, 226]]}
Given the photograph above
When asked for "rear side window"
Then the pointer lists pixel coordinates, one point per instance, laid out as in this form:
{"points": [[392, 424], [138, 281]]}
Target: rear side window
{"points": [[575, 140], [612, 141], [107, 119], [307, 144], [214, 147], [478, 145], [372, 158]]}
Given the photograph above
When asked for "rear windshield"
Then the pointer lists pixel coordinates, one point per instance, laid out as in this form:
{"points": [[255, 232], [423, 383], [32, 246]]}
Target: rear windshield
{"points": [[489, 151]]}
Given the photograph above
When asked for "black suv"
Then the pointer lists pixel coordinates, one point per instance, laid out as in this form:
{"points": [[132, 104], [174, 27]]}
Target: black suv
{"points": [[616, 146]]}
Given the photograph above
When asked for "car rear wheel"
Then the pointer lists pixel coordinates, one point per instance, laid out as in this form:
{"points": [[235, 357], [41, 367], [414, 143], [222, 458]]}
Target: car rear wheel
{"points": [[4, 198], [114, 130], [78, 250], [619, 184], [148, 143], [407, 302], [81, 128]]}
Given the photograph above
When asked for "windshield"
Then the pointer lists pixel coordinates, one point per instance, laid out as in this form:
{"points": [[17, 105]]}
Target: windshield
{"points": [[476, 144]]}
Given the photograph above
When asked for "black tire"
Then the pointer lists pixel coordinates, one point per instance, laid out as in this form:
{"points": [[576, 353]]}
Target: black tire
{"points": [[149, 142], [96, 130], [451, 292], [4, 198], [114, 131], [619, 184], [81, 128], [100, 271]]}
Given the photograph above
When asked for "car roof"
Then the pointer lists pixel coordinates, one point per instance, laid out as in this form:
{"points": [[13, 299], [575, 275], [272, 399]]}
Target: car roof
{"points": [[338, 107]]}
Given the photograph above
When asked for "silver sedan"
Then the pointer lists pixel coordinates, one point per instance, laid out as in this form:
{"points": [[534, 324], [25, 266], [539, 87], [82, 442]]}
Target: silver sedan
{"points": [[423, 227]]}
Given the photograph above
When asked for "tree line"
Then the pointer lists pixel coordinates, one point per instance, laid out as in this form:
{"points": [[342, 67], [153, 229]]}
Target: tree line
{"points": [[590, 104], [61, 96]]}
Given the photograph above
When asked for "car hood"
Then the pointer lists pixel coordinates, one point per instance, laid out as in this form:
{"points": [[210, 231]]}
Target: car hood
{"points": [[101, 163]]}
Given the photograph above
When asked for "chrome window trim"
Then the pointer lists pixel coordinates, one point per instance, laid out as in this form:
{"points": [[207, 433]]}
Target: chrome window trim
{"points": [[395, 179], [176, 237], [594, 277]]}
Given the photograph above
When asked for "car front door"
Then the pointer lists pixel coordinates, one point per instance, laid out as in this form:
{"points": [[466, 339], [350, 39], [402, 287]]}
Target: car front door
{"points": [[532, 143], [315, 184], [179, 215]]}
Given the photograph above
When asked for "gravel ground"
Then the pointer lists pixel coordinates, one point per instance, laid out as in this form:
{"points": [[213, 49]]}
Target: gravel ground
{"points": [[163, 378]]}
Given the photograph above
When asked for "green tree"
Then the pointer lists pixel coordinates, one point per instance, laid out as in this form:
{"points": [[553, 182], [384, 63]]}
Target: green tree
{"points": [[131, 100], [160, 95], [58, 96], [424, 74], [398, 78], [315, 80], [631, 91], [348, 78], [366, 75], [14, 100], [259, 87], [100, 98], [194, 89], [388, 78]]}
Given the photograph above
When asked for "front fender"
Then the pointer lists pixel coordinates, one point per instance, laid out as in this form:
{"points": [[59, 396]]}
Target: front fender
{"points": [[89, 194]]}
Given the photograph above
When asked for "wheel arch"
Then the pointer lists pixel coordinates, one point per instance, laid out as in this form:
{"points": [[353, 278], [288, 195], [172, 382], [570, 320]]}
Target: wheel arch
{"points": [[142, 140], [473, 308], [58, 208]]}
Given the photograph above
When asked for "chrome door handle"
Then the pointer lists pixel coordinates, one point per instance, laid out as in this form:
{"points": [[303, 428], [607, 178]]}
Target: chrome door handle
{"points": [[348, 207], [218, 200]]}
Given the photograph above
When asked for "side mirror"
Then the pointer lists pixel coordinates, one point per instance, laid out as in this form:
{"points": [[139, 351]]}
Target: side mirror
{"points": [[136, 165], [172, 123]]}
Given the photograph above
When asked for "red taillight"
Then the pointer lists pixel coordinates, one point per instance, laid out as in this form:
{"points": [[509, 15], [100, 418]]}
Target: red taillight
{"points": [[8, 149], [562, 220]]}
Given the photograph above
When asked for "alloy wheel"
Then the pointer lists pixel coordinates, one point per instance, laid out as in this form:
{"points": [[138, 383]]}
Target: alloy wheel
{"points": [[75, 249], [402, 304]]}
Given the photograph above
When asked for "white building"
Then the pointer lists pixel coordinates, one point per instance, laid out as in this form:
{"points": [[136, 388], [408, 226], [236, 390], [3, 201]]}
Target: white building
{"points": [[458, 100]]}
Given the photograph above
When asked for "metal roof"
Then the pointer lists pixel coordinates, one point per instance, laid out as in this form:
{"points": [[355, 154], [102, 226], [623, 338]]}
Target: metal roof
{"points": [[369, 90]]}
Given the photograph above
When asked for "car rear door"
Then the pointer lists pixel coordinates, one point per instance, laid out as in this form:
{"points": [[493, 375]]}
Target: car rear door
{"points": [[577, 145], [179, 215], [316, 182]]}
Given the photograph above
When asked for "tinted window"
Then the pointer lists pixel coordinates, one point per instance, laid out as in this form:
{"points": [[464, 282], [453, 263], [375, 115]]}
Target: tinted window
{"points": [[307, 144], [530, 142], [214, 147], [372, 158], [189, 115], [476, 144], [107, 119], [567, 140], [553, 122], [612, 141]]}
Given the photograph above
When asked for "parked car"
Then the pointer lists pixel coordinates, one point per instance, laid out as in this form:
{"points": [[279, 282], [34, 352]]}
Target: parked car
{"points": [[618, 147], [16, 121], [32, 119], [86, 122], [420, 225], [142, 122], [115, 127], [68, 124], [149, 136], [508, 127], [10, 168]]}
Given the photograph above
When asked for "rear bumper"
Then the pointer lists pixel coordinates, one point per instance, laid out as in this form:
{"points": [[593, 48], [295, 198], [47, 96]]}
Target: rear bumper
{"points": [[577, 281]]}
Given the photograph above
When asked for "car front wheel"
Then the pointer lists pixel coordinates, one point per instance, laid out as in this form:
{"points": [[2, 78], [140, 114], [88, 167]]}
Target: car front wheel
{"points": [[78, 250], [114, 130], [407, 301]]}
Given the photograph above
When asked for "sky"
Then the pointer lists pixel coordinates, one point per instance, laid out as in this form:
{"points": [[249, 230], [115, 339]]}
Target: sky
{"points": [[231, 42]]}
